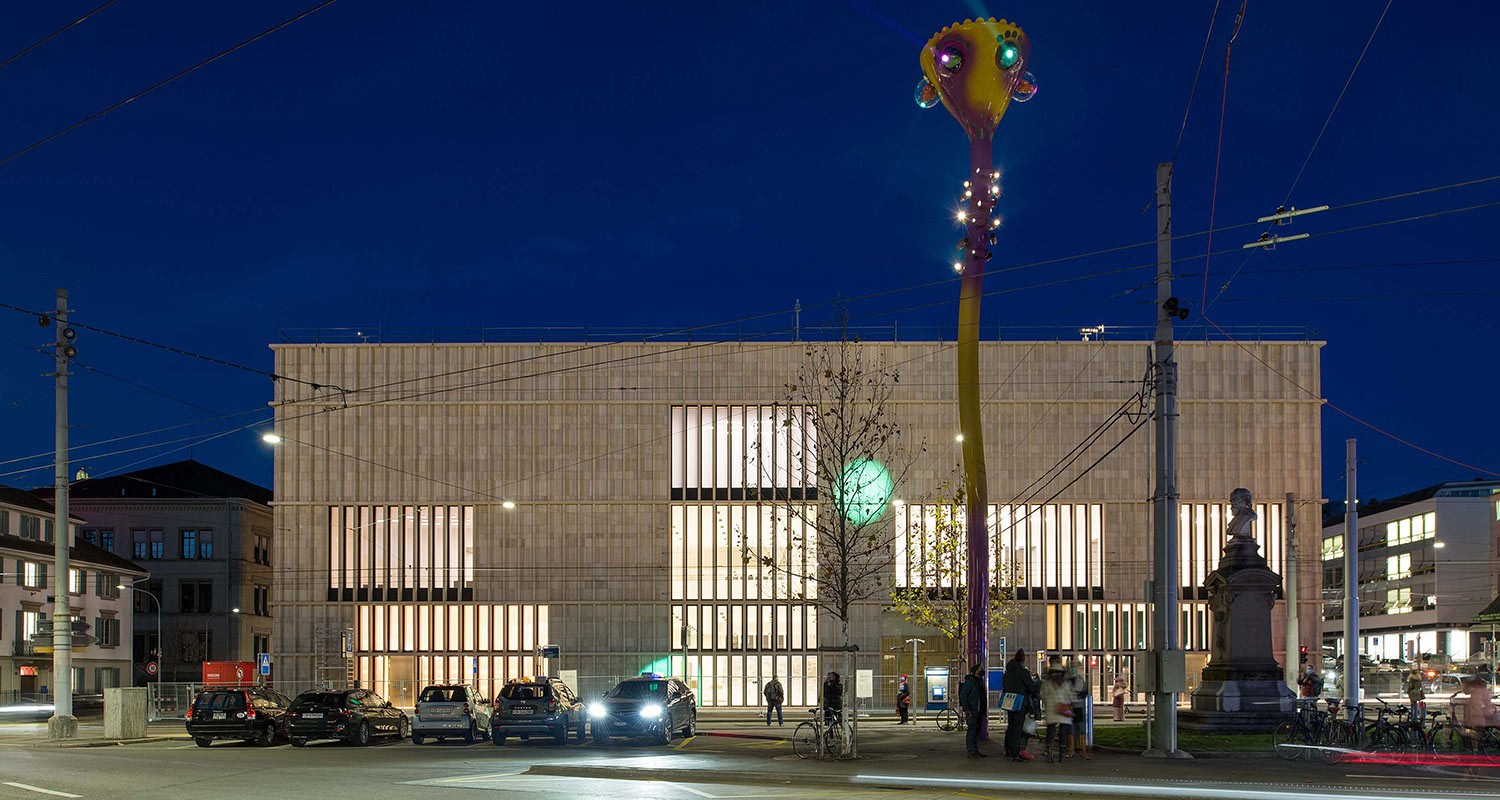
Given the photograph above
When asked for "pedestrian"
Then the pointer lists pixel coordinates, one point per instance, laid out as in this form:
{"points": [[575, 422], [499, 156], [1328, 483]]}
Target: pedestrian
{"points": [[972, 695], [1118, 699], [1415, 694], [1311, 683], [833, 700], [903, 701], [775, 696], [1078, 687], [1018, 680], [1057, 708]]}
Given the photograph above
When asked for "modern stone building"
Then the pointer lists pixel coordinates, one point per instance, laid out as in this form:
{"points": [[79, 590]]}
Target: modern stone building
{"points": [[1426, 567], [450, 508]]}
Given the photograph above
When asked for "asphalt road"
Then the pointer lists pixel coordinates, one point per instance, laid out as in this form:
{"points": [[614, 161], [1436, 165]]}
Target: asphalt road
{"points": [[927, 765]]}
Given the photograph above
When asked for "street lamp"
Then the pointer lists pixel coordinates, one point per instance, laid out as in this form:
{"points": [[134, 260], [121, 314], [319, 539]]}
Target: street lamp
{"points": [[160, 645], [914, 642], [229, 638]]}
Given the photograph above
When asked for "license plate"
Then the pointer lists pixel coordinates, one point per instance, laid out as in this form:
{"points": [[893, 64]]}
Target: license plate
{"points": [[520, 711], [221, 715], [312, 716]]}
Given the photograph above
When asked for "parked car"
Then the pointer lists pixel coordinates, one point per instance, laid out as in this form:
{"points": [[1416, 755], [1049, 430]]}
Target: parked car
{"points": [[649, 706], [252, 714], [450, 710], [536, 706], [355, 716]]}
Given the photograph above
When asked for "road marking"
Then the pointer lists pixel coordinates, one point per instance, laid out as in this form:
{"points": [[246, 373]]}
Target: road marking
{"points": [[698, 792], [683, 743], [31, 788]]}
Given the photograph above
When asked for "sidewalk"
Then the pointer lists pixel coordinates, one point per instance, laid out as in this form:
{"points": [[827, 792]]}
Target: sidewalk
{"points": [[89, 735]]}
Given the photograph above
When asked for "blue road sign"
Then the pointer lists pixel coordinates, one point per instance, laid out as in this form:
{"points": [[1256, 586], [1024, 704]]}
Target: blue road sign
{"points": [[265, 663], [550, 651]]}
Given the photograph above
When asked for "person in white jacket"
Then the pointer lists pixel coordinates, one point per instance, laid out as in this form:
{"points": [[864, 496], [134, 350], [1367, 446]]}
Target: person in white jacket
{"points": [[1057, 708]]}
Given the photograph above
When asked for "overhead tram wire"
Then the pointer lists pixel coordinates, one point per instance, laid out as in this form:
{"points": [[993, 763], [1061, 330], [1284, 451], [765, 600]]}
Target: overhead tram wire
{"points": [[1329, 403], [1213, 203], [159, 84], [53, 35], [75, 362], [1198, 73], [73, 323], [1303, 169], [1044, 262]]}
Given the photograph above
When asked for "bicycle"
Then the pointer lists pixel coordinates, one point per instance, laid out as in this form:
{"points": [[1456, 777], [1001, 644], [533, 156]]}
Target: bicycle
{"points": [[1308, 729], [951, 720], [1385, 736], [823, 735], [1424, 738]]}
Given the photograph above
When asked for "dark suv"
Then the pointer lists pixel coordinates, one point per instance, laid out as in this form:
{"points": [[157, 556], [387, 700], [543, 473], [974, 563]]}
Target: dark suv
{"points": [[538, 705], [649, 706], [353, 715], [252, 714]]}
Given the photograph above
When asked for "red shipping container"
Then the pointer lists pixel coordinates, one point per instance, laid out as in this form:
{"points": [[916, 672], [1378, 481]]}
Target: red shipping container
{"points": [[228, 673]]}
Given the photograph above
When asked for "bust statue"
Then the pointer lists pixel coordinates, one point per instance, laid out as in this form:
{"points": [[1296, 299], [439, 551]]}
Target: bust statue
{"points": [[1242, 524]]}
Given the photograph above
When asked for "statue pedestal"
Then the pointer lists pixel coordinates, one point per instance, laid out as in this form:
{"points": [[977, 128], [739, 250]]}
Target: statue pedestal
{"points": [[1243, 687]]}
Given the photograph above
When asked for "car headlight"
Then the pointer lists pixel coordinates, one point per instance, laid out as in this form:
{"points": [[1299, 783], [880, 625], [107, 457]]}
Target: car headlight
{"points": [[651, 711], [598, 711]]}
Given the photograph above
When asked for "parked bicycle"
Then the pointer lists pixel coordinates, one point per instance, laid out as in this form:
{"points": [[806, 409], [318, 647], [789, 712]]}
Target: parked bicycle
{"points": [[823, 735], [1306, 733], [950, 719]]}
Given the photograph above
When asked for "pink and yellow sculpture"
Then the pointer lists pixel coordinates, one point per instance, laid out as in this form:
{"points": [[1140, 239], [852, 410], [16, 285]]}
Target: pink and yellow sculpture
{"points": [[976, 69]]}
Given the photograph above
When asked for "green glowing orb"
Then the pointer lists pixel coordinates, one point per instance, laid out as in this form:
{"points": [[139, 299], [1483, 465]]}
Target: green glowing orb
{"points": [[862, 491]]}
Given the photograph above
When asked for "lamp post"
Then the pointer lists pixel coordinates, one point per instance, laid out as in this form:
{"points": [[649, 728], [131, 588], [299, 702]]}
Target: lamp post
{"points": [[156, 707], [229, 638], [914, 642]]}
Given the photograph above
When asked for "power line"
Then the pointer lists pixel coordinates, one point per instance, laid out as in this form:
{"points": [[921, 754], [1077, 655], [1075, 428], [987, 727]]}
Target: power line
{"points": [[1212, 18], [1336, 102], [159, 84], [1213, 203], [53, 35], [1346, 413]]}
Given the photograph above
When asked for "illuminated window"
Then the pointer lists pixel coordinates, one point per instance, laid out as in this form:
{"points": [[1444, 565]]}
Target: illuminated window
{"points": [[1097, 626], [77, 583], [1411, 529], [1203, 530], [33, 575], [400, 648], [743, 453], [401, 552], [742, 552], [1333, 547], [1032, 548], [1397, 567], [1398, 601]]}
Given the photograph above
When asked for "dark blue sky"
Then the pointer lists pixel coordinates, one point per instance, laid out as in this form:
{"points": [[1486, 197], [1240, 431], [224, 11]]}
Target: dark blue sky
{"points": [[466, 164]]}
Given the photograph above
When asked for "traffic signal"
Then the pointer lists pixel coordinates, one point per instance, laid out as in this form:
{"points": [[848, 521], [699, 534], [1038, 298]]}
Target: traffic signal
{"points": [[1302, 654]]}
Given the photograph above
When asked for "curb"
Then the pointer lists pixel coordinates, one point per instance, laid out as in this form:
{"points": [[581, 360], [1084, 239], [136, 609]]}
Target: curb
{"points": [[110, 742], [1206, 754], [727, 735]]}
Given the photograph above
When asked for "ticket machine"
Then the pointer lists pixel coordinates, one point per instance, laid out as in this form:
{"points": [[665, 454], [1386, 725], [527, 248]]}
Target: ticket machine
{"points": [[937, 688]]}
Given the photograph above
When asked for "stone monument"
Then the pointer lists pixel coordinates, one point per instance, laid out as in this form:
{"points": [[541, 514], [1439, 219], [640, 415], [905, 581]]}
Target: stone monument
{"points": [[1243, 686]]}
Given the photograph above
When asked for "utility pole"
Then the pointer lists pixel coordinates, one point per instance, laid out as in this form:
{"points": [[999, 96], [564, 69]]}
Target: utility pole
{"points": [[1293, 630], [1351, 586], [62, 724], [1166, 589], [912, 681]]}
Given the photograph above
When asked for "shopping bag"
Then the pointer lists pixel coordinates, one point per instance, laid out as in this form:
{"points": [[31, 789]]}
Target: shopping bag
{"points": [[1010, 701], [1029, 726]]}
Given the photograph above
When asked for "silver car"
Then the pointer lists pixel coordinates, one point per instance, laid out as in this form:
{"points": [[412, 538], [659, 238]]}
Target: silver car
{"points": [[450, 710]]}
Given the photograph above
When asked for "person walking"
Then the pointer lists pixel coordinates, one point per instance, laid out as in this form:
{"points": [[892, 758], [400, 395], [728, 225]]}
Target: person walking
{"points": [[1078, 687], [1018, 680], [903, 701], [775, 695], [1057, 709], [972, 695], [1118, 698], [1415, 694]]}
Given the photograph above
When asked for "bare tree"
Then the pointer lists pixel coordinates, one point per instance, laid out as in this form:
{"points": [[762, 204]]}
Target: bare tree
{"points": [[838, 420], [936, 565]]}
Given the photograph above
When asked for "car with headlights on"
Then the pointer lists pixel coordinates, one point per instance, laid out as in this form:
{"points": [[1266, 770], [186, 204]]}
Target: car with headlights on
{"points": [[450, 710], [539, 706], [356, 716], [650, 707]]}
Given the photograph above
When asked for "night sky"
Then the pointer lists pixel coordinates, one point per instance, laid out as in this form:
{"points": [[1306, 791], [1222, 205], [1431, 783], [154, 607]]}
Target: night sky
{"points": [[456, 165]]}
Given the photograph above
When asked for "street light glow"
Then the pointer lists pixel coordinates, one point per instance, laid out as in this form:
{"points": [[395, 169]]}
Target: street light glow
{"points": [[508, 505], [270, 437]]}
